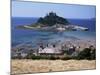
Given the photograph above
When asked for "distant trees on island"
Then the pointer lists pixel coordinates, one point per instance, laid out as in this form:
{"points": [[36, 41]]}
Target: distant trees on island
{"points": [[51, 19]]}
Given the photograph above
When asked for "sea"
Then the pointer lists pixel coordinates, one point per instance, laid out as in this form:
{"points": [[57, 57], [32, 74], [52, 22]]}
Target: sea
{"points": [[33, 37]]}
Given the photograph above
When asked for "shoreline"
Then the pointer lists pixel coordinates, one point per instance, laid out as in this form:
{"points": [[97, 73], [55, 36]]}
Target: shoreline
{"points": [[73, 41], [56, 27]]}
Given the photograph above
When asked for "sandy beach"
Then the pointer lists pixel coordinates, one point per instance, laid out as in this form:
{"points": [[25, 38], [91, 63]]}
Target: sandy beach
{"points": [[35, 66]]}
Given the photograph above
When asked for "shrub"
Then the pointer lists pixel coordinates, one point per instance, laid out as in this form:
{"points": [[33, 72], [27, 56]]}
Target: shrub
{"points": [[44, 57], [36, 57], [52, 58], [93, 55], [87, 53], [30, 56]]}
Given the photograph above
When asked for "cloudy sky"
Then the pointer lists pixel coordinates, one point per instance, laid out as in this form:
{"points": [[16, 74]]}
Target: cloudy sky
{"points": [[34, 9]]}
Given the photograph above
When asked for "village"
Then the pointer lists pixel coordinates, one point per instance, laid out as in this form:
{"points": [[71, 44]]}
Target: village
{"points": [[57, 49]]}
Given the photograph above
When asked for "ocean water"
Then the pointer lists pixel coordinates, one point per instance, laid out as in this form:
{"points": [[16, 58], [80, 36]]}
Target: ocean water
{"points": [[22, 36]]}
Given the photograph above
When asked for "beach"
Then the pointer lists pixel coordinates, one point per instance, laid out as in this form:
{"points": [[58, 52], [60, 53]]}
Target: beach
{"points": [[36, 66]]}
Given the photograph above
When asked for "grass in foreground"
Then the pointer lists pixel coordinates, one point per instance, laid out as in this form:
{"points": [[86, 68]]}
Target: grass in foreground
{"points": [[35, 66]]}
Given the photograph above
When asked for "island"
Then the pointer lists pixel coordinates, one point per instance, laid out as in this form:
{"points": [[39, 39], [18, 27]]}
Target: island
{"points": [[53, 22]]}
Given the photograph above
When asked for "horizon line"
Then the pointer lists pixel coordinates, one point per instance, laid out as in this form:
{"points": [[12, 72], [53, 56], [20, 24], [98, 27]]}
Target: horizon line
{"points": [[39, 17]]}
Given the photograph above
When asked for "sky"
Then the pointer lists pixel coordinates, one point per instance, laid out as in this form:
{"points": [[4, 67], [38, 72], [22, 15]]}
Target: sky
{"points": [[36, 9]]}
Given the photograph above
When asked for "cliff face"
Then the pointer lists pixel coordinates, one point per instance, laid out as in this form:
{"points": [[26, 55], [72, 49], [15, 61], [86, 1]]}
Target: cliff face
{"points": [[51, 19]]}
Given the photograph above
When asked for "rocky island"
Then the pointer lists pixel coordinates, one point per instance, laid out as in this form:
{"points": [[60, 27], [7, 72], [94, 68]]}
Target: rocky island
{"points": [[53, 22]]}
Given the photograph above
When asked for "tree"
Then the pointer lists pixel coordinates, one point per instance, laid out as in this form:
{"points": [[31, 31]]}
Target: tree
{"points": [[87, 53]]}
